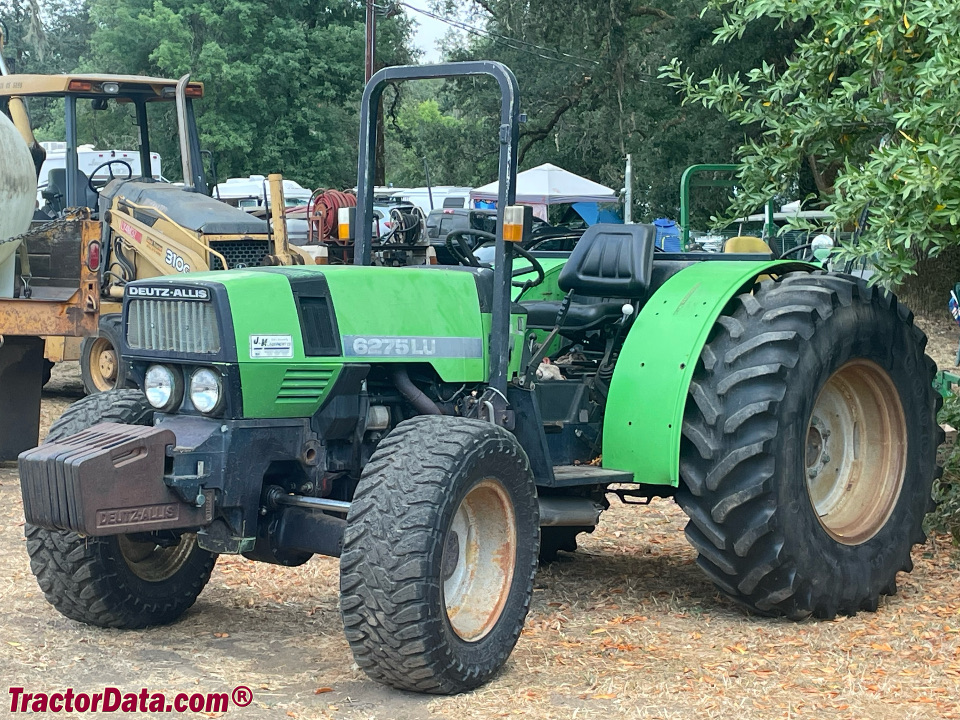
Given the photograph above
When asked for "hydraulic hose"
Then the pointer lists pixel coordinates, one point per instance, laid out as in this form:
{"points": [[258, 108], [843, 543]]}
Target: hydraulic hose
{"points": [[322, 213]]}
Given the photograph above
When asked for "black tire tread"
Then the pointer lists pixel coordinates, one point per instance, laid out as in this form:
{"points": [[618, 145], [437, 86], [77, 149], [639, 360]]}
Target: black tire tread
{"points": [[726, 466], [78, 575], [383, 565]]}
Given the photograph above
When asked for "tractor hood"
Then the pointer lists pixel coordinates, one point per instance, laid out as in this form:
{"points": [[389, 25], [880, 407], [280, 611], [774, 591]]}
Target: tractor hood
{"points": [[290, 330]]}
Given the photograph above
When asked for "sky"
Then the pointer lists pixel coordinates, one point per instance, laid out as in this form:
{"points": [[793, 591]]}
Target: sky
{"points": [[428, 32]]}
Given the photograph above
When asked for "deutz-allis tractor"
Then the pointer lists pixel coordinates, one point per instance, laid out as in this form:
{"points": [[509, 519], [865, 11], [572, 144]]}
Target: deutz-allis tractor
{"points": [[393, 417]]}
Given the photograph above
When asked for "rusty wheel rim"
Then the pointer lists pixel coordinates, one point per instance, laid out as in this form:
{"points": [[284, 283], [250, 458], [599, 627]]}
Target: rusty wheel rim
{"points": [[152, 562], [479, 560], [856, 452], [103, 364]]}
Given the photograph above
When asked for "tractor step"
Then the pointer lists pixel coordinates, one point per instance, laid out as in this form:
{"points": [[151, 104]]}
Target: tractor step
{"points": [[573, 475]]}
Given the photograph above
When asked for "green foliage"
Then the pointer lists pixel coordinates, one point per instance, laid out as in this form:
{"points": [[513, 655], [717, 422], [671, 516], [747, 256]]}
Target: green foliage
{"points": [[279, 77], [50, 41], [47, 39], [588, 82], [282, 80], [866, 106], [459, 149], [946, 490]]}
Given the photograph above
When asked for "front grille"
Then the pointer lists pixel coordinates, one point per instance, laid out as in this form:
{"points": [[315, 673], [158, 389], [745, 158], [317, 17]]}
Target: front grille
{"points": [[304, 386], [239, 253], [183, 326]]}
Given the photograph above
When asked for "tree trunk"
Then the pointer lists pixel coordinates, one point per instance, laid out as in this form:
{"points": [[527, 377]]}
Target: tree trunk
{"points": [[928, 292]]}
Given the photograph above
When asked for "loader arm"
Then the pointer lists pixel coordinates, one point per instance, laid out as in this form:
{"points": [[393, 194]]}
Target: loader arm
{"points": [[156, 245]]}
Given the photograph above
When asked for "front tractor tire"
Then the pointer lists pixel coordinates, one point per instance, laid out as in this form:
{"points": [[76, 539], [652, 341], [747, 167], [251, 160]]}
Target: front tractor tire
{"points": [[117, 581], [809, 446], [439, 555]]}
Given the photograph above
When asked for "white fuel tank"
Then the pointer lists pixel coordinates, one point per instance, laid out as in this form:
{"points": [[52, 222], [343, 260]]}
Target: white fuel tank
{"points": [[18, 195]]}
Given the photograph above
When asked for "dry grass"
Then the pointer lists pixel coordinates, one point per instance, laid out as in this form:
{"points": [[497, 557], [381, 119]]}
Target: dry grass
{"points": [[626, 628]]}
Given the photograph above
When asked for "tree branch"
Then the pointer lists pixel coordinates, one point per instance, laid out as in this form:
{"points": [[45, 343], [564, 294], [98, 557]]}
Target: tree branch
{"points": [[641, 10], [824, 187], [566, 102], [486, 6]]}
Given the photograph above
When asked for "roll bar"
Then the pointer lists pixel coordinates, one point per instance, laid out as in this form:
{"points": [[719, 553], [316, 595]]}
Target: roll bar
{"points": [[507, 193]]}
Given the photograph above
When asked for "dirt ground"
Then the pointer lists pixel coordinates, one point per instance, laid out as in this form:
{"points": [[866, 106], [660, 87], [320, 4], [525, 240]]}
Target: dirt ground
{"points": [[628, 627]]}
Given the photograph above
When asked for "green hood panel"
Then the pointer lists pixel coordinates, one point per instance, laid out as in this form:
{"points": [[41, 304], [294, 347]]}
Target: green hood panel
{"points": [[383, 315]]}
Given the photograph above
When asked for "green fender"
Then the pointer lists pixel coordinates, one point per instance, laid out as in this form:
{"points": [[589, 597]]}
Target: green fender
{"points": [[648, 391]]}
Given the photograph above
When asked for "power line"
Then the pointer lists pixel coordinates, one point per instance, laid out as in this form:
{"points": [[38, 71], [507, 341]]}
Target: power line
{"points": [[508, 41], [490, 33], [505, 40]]}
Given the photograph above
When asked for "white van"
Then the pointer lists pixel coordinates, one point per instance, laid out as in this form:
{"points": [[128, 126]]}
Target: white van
{"points": [[444, 196], [249, 193]]}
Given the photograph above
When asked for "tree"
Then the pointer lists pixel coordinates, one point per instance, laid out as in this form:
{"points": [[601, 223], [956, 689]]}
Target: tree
{"points": [[46, 36], [424, 125], [282, 80], [588, 82], [866, 107]]}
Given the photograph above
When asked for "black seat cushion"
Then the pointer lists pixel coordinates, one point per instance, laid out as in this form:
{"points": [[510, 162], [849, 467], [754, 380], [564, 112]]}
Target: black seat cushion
{"points": [[56, 191], [191, 210], [611, 261], [584, 314]]}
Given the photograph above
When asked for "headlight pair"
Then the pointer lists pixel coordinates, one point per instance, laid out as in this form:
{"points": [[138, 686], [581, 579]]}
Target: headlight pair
{"points": [[164, 388]]}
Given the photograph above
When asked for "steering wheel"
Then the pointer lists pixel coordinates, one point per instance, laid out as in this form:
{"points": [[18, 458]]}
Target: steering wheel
{"points": [[463, 254], [805, 248], [107, 165], [535, 266]]}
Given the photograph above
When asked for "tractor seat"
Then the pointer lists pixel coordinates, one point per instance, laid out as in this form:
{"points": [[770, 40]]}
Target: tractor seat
{"points": [[610, 263], [56, 191], [584, 314]]}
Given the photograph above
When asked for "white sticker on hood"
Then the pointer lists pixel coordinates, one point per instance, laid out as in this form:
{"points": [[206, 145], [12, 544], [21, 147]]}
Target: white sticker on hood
{"points": [[271, 346]]}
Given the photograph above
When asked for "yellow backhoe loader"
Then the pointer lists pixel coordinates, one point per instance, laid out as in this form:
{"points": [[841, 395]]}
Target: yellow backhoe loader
{"points": [[97, 232]]}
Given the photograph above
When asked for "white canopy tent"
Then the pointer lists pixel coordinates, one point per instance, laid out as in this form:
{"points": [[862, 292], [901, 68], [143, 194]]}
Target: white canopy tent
{"points": [[548, 184]]}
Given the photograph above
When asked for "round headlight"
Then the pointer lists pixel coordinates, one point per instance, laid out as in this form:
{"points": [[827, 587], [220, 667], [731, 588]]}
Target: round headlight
{"points": [[163, 387], [206, 390]]}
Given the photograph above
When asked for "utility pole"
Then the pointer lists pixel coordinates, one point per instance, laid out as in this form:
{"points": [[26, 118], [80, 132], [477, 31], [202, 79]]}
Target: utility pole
{"points": [[370, 67], [371, 41]]}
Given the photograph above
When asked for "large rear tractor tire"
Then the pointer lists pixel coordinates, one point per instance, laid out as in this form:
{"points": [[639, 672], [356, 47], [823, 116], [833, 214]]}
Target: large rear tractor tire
{"points": [[439, 555], [118, 581], [101, 367], [809, 446]]}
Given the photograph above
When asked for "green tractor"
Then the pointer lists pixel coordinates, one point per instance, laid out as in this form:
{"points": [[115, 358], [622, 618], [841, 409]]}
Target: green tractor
{"points": [[402, 419]]}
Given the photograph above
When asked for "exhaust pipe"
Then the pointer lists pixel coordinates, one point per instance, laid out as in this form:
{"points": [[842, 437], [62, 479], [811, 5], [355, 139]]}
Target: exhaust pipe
{"points": [[569, 511]]}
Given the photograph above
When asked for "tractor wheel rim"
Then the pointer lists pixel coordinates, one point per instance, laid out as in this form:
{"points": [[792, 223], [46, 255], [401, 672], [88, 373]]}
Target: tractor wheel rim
{"points": [[103, 364], [152, 562], [479, 560], [856, 452]]}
